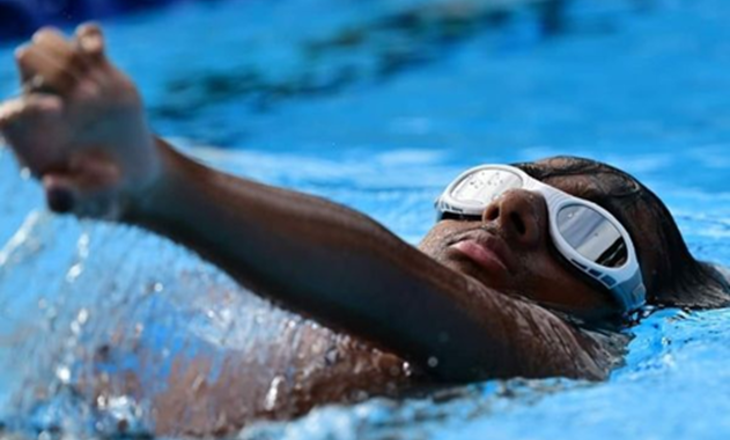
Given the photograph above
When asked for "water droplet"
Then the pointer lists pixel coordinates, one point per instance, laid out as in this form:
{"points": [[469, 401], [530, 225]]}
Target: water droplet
{"points": [[82, 246], [83, 316], [198, 383], [63, 374], [433, 362], [101, 401], [74, 272], [407, 369], [331, 356], [273, 394]]}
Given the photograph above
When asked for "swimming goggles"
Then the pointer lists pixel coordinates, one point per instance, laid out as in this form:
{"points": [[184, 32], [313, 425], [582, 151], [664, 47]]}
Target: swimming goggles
{"points": [[587, 235]]}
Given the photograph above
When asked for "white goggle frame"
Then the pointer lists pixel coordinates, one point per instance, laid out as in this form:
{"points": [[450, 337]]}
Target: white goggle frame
{"points": [[625, 282]]}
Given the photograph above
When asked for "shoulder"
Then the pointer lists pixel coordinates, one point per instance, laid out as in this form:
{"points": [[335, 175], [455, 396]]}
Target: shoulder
{"points": [[538, 342]]}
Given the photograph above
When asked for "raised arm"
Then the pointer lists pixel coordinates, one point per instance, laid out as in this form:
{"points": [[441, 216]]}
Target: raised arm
{"points": [[80, 129]]}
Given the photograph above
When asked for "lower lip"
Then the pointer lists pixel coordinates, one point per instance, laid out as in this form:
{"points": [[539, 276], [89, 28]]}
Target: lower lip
{"points": [[480, 255]]}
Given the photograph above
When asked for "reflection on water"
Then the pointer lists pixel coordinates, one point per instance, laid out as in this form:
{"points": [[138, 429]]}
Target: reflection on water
{"points": [[98, 318]]}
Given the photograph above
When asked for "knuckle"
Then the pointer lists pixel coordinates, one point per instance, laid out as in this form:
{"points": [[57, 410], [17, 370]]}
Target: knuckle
{"points": [[90, 27], [43, 34], [21, 53]]}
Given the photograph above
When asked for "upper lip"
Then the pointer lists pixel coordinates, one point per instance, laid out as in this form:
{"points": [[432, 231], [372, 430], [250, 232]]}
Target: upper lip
{"points": [[491, 242]]}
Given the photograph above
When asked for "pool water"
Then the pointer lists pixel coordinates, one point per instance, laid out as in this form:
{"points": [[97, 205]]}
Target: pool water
{"points": [[363, 103]]}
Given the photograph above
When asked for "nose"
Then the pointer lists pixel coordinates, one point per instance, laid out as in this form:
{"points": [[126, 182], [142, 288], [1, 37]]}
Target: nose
{"points": [[521, 214]]}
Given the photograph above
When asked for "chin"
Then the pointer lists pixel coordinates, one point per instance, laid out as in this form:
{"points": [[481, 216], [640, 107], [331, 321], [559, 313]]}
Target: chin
{"points": [[464, 265]]}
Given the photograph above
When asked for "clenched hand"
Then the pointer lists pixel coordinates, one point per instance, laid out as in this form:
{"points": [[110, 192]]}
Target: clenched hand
{"points": [[79, 125]]}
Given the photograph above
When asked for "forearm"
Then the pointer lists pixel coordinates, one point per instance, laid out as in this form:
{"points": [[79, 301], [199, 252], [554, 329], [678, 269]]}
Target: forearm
{"points": [[322, 259], [90, 145]]}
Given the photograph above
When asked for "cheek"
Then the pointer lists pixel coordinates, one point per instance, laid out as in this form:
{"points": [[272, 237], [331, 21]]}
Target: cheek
{"points": [[429, 243], [552, 283], [435, 238], [551, 273]]}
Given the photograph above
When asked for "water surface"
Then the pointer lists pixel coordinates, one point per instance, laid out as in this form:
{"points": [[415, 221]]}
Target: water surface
{"points": [[352, 101]]}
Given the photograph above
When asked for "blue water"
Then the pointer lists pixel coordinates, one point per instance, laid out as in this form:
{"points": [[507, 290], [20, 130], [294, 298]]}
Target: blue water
{"points": [[254, 88]]}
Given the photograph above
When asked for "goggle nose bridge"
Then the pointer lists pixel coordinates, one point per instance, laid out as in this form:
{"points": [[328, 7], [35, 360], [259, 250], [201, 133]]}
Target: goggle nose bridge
{"points": [[625, 282]]}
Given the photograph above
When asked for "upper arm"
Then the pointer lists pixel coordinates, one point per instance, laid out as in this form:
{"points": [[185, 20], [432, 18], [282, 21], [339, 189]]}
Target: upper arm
{"points": [[344, 269], [450, 324], [520, 338]]}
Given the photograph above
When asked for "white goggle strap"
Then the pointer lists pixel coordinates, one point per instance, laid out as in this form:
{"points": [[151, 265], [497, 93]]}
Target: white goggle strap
{"points": [[631, 293]]}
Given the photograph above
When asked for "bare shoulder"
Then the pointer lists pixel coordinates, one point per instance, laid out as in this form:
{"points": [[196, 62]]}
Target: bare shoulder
{"points": [[539, 342]]}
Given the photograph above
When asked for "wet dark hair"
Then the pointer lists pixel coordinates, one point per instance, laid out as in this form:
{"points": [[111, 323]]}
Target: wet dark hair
{"points": [[679, 280]]}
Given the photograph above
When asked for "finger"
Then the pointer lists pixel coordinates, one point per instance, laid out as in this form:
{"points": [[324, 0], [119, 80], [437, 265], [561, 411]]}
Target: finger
{"points": [[27, 110], [36, 62], [91, 39], [9, 112], [55, 44], [25, 75], [28, 125], [53, 41]]}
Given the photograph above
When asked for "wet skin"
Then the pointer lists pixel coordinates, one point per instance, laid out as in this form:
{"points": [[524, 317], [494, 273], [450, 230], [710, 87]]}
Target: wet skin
{"points": [[509, 248], [480, 298]]}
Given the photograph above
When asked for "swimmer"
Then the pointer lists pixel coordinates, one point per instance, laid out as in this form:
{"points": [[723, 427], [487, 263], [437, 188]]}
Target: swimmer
{"points": [[530, 270]]}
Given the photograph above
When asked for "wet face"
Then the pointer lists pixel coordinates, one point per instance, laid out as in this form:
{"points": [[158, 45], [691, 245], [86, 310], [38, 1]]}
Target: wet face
{"points": [[509, 247]]}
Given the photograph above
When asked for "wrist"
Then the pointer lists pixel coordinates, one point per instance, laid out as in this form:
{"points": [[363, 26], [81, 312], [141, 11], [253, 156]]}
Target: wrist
{"points": [[165, 197], [152, 196]]}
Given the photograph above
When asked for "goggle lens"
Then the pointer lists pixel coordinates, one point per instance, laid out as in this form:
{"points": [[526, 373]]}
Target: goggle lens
{"points": [[587, 231], [592, 235], [482, 187]]}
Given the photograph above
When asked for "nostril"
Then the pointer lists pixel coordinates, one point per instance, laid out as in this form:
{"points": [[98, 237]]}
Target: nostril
{"points": [[518, 223], [492, 213]]}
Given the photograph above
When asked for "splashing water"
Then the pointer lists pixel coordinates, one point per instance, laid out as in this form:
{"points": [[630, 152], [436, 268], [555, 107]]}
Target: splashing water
{"points": [[97, 318]]}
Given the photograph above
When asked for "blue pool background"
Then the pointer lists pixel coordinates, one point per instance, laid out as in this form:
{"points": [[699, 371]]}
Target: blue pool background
{"points": [[381, 126]]}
